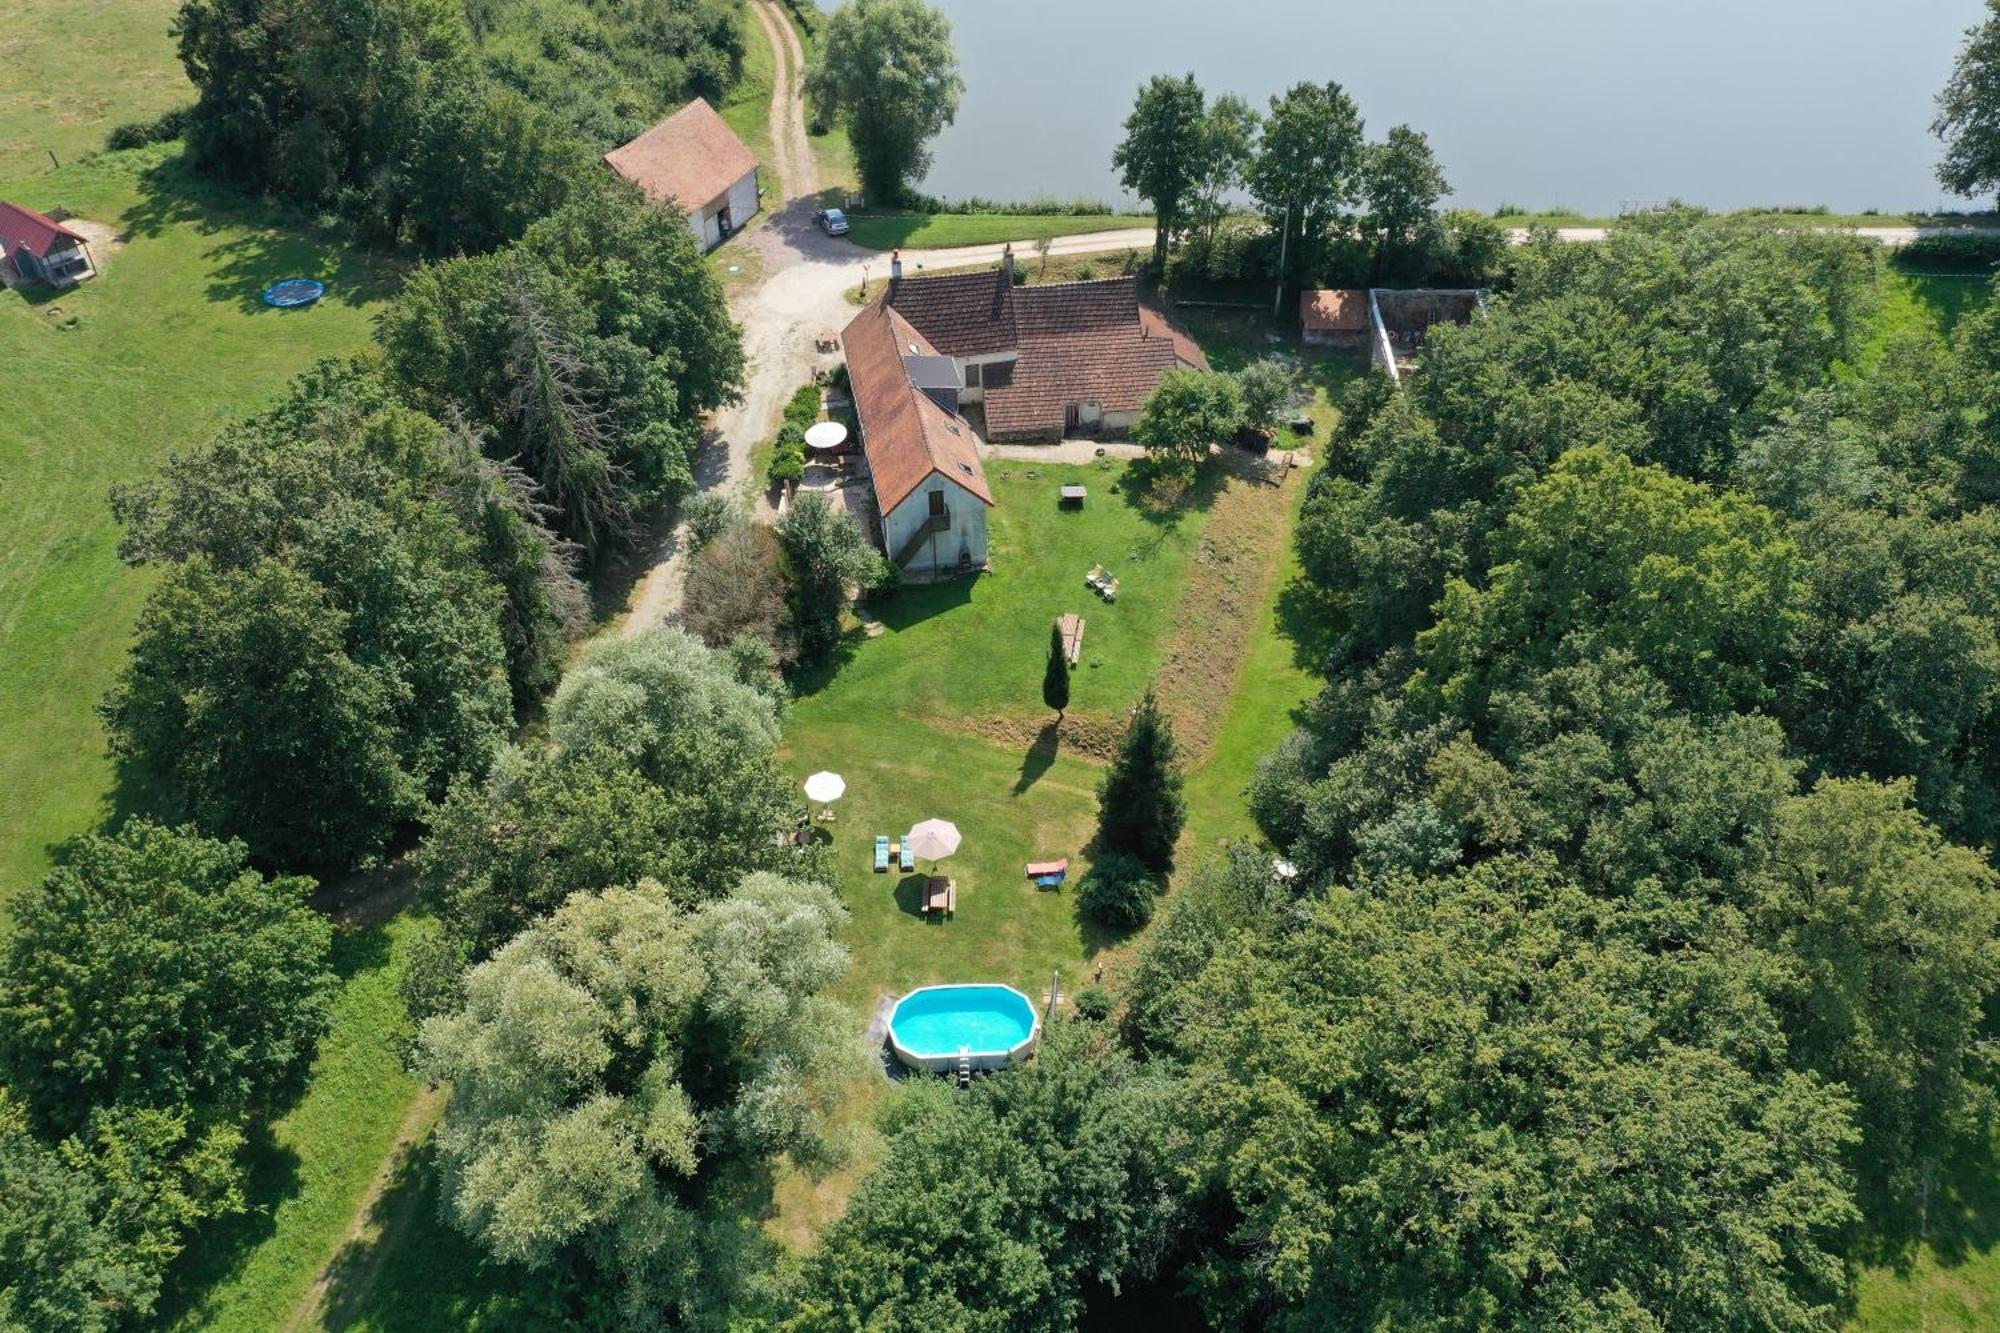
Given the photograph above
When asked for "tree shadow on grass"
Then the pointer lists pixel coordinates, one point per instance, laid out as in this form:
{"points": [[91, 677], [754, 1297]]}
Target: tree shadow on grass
{"points": [[1309, 624], [411, 1270], [271, 242], [1040, 757], [1960, 1222], [217, 1252], [914, 603]]}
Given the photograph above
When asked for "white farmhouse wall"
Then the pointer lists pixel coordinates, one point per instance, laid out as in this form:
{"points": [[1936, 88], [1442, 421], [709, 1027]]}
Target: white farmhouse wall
{"points": [[939, 554], [742, 200]]}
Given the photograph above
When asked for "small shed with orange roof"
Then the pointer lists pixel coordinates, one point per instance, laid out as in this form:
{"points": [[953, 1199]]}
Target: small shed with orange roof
{"points": [[693, 160], [1334, 317]]}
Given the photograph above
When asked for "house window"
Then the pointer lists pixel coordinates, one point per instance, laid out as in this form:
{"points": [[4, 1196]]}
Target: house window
{"points": [[972, 375]]}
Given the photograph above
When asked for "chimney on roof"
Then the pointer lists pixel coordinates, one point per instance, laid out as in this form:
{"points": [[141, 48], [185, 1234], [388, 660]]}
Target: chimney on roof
{"points": [[1007, 265], [895, 270]]}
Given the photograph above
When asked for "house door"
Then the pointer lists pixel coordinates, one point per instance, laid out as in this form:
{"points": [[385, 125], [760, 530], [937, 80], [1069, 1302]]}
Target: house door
{"points": [[940, 514], [723, 220]]}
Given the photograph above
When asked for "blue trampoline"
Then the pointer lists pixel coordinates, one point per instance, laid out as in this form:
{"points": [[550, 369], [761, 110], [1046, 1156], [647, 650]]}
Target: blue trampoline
{"points": [[294, 292]]}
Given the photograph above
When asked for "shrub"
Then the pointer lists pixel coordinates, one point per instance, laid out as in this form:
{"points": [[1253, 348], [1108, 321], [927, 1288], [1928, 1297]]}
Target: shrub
{"points": [[708, 516], [1119, 892], [1094, 1003], [163, 128]]}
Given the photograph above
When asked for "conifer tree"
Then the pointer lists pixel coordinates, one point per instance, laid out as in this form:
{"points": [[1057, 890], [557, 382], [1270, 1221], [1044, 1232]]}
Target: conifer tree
{"points": [[1140, 809], [1055, 679]]}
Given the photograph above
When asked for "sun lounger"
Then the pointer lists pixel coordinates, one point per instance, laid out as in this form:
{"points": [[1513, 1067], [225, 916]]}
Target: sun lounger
{"points": [[881, 853], [1037, 869], [909, 861]]}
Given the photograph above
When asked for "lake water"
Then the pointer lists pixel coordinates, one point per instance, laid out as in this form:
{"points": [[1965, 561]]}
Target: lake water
{"points": [[1581, 103]]}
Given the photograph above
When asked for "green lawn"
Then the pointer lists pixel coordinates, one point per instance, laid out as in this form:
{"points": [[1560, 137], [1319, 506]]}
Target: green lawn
{"points": [[168, 345], [72, 69], [941, 715], [312, 1170], [938, 231]]}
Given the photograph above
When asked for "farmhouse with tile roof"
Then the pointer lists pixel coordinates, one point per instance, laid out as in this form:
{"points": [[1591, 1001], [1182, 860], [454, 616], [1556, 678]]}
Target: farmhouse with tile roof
{"points": [[923, 458], [694, 160], [1073, 358]]}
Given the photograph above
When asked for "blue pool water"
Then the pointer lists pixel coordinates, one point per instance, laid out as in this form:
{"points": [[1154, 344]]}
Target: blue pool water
{"points": [[942, 1020]]}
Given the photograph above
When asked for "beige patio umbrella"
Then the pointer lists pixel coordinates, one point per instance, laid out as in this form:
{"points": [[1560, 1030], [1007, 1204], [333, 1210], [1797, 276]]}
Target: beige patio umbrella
{"points": [[933, 840]]}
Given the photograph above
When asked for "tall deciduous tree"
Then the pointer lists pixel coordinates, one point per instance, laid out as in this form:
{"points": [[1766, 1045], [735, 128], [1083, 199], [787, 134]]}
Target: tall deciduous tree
{"points": [[1404, 183], [887, 69], [1140, 809], [154, 969], [1968, 112], [1228, 146], [1160, 159], [1055, 675], [997, 1208], [1309, 167], [828, 554], [660, 765], [1530, 1126], [608, 1061]]}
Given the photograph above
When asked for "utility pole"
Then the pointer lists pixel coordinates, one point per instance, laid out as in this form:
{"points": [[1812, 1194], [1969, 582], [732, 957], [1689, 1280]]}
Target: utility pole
{"points": [[1284, 244]]}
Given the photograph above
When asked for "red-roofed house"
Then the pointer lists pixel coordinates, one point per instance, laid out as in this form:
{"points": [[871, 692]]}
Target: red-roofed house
{"points": [[40, 249], [1069, 358], [693, 160], [923, 457]]}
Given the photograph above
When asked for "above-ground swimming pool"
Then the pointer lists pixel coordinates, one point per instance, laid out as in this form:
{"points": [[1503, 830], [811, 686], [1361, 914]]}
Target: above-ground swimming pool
{"points": [[941, 1027]]}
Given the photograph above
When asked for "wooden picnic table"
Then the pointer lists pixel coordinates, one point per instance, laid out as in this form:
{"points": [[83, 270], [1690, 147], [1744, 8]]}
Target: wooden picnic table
{"points": [[1074, 494], [1070, 626], [940, 895]]}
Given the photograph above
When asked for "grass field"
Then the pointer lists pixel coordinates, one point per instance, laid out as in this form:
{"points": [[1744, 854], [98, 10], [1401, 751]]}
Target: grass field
{"points": [[72, 69], [937, 231], [165, 347]]}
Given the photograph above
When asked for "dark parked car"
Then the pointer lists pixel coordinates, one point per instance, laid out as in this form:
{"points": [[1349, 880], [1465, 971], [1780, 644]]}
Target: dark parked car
{"points": [[831, 221]]}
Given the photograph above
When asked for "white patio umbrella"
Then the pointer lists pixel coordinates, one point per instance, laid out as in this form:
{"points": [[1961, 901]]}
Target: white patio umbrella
{"points": [[933, 840], [826, 435], [824, 788]]}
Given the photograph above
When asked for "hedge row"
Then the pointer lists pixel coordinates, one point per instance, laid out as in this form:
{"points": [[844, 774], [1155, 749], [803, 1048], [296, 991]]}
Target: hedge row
{"points": [[788, 460]]}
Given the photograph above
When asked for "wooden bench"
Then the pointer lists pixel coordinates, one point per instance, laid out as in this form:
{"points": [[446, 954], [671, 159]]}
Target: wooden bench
{"points": [[1074, 495], [1070, 626]]}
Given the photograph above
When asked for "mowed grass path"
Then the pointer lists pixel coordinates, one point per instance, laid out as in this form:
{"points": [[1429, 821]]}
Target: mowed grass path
{"points": [[250, 1272], [166, 346]]}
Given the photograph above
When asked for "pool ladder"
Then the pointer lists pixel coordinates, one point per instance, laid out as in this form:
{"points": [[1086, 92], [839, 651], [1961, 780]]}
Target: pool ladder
{"points": [[965, 1066]]}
